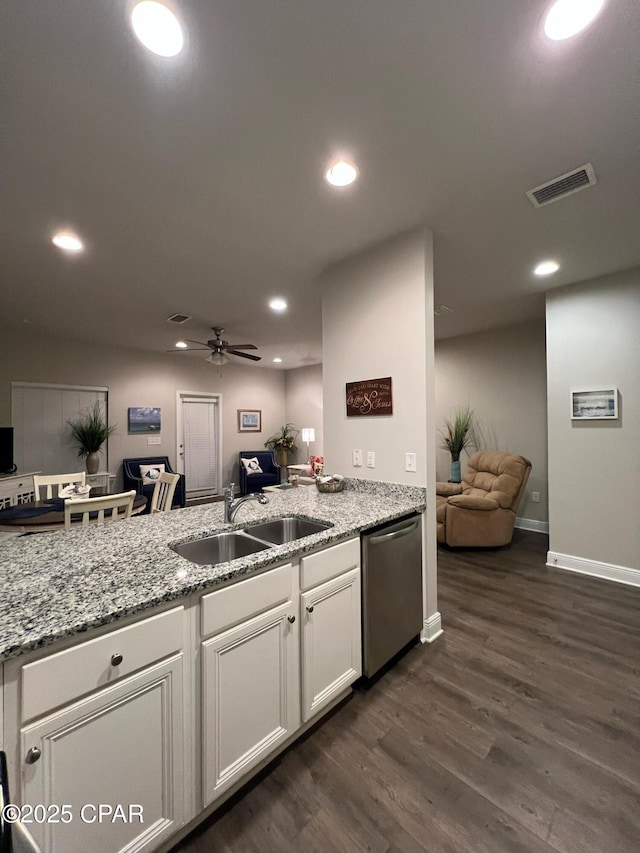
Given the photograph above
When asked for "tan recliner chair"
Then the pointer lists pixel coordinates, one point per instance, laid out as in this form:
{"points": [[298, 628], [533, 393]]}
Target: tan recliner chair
{"points": [[481, 510]]}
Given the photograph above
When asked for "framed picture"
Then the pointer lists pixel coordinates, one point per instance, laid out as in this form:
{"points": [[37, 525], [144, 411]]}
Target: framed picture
{"points": [[369, 397], [249, 420], [144, 419], [597, 404]]}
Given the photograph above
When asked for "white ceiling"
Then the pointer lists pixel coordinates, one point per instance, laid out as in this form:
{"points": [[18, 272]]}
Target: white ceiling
{"points": [[197, 184]]}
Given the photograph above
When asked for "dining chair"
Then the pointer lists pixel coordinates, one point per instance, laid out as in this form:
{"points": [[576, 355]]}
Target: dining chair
{"points": [[59, 480], [163, 492], [96, 507]]}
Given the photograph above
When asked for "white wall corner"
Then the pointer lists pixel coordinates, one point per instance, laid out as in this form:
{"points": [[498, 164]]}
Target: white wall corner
{"points": [[605, 571], [432, 628], [532, 524]]}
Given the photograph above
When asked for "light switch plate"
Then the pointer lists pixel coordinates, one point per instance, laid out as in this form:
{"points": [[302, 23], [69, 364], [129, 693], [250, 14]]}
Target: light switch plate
{"points": [[153, 439], [410, 462], [357, 458], [371, 459]]}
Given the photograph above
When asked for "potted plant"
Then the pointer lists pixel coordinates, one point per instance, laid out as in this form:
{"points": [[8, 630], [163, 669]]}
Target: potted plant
{"points": [[457, 434], [282, 443], [90, 430]]}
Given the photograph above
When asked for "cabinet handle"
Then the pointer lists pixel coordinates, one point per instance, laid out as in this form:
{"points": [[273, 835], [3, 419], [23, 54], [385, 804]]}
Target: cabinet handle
{"points": [[33, 755], [291, 619], [310, 608], [116, 660]]}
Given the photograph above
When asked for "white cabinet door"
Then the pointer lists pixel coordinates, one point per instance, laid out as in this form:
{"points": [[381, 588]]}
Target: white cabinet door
{"points": [[250, 695], [331, 641], [123, 746]]}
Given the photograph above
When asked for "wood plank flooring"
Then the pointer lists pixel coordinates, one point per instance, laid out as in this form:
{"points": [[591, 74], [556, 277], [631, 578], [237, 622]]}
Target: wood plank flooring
{"points": [[518, 731]]}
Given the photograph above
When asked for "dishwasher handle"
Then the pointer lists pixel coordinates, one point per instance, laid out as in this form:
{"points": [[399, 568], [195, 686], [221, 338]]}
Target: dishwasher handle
{"points": [[379, 538]]}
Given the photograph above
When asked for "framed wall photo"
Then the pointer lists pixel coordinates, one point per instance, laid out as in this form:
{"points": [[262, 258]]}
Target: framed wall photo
{"points": [[144, 419], [596, 404], [249, 420]]}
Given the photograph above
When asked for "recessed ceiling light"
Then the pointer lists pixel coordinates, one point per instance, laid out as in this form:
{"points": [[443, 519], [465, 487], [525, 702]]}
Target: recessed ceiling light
{"points": [[157, 28], [277, 361], [546, 268], [567, 17], [341, 174], [278, 304], [181, 345], [67, 241]]}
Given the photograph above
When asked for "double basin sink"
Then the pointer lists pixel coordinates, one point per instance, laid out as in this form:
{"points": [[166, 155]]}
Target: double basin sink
{"points": [[229, 545]]}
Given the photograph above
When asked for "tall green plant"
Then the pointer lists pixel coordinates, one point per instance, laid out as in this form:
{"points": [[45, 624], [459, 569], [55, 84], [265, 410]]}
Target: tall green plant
{"points": [[90, 430], [458, 432]]}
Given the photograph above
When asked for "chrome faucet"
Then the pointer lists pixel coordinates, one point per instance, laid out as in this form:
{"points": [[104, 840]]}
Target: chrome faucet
{"points": [[232, 504]]}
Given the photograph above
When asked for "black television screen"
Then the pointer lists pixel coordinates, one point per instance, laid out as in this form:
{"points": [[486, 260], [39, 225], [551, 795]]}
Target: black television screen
{"points": [[6, 450]]}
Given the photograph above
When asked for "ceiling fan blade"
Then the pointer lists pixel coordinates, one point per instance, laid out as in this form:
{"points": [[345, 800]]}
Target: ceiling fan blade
{"points": [[245, 355], [239, 346], [200, 343]]}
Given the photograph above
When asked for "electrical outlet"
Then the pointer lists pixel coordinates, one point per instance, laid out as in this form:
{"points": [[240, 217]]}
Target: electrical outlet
{"points": [[153, 439], [535, 497], [371, 459], [410, 462], [357, 458]]}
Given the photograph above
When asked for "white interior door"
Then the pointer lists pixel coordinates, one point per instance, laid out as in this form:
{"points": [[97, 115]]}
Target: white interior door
{"points": [[199, 443]]}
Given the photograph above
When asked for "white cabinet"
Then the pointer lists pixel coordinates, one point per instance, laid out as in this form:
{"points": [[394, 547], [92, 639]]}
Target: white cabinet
{"points": [[16, 489], [331, 641], [122, 747], [250, 696], [101, 724], [99, 483]]}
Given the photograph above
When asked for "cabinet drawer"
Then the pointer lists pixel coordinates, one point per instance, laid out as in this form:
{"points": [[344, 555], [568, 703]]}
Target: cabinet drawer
{"points": [[245, 599], [327, 564], [62, 677]]}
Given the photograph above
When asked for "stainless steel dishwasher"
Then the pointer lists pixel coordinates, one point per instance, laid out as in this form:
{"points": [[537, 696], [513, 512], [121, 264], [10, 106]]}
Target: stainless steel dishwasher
{"points": [[391, 589]]}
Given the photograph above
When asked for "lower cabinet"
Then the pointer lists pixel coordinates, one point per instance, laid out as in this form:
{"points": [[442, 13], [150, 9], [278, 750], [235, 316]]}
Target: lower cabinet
{"points": [[113, 764], [331, 641], [101, 733], [250, 692]]}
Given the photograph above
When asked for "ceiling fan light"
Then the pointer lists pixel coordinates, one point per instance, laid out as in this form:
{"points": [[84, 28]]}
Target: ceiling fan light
{"points": [[217, 358]]}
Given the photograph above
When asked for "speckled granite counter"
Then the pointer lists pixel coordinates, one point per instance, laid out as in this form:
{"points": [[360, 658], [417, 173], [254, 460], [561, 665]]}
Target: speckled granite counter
{"points": [[58, 584]]}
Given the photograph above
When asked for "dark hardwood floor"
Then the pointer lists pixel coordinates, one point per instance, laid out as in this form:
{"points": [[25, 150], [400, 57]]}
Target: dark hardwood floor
{"points": [[517, 730]]}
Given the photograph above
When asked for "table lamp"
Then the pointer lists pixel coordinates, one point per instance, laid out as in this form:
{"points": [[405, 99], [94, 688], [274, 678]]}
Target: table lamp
{"points": [[308, 435]]}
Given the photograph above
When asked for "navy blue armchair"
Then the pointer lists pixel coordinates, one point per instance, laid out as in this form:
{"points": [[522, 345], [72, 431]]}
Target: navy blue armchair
{"points": [[132, 479], [270, 475]]}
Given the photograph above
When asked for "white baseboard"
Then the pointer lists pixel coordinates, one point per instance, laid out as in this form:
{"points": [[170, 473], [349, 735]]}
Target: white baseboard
{"points": [[619, 574], [432, 628], [532, 524]]}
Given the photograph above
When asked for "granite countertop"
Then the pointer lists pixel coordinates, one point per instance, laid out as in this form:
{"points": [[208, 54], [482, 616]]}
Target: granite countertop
{"points": [[58, 584]]}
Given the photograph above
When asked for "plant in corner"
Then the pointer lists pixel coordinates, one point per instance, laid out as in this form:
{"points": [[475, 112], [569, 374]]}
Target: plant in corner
{"points": [[283, 442], [458, 434], [90, 430]]}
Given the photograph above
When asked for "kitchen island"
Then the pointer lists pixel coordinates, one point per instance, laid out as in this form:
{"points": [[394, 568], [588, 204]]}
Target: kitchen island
{"points": [[136, 678], [63, 583]]}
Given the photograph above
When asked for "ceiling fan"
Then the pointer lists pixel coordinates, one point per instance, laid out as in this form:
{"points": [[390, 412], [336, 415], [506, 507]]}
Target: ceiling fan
{"points": [[220, 348]]}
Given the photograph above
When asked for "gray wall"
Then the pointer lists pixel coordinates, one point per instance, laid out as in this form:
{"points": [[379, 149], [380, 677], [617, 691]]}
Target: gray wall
{"points": [[135, 378], [303, 395], [593, 341], [501, 375]]}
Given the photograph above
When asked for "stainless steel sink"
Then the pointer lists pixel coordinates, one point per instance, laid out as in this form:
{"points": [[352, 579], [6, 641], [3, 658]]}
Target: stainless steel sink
{"points": [[286, 529], [219, 548]]}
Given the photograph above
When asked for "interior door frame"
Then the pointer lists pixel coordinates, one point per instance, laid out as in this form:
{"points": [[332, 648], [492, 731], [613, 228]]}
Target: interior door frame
{"points": [[203, 395]]}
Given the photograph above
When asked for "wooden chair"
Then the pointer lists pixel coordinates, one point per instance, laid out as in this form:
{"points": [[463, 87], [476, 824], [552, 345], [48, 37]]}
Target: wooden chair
{"points": [[163, 492], [59, 480], [87, 506]]}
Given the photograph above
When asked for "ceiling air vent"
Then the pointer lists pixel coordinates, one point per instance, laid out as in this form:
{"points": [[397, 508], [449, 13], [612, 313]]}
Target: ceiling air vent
{"points": [[178, 318], [562, 186]]}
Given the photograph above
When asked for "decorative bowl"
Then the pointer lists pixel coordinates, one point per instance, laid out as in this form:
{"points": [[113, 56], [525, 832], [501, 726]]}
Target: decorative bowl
{"points": [[328, 483]]}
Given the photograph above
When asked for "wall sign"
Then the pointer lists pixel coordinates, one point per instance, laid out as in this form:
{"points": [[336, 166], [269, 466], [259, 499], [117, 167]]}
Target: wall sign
{"points": [[369, 397]]}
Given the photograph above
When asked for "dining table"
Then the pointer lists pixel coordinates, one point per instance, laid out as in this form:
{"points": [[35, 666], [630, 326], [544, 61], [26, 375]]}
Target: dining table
{"points": [[45, 515]]}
